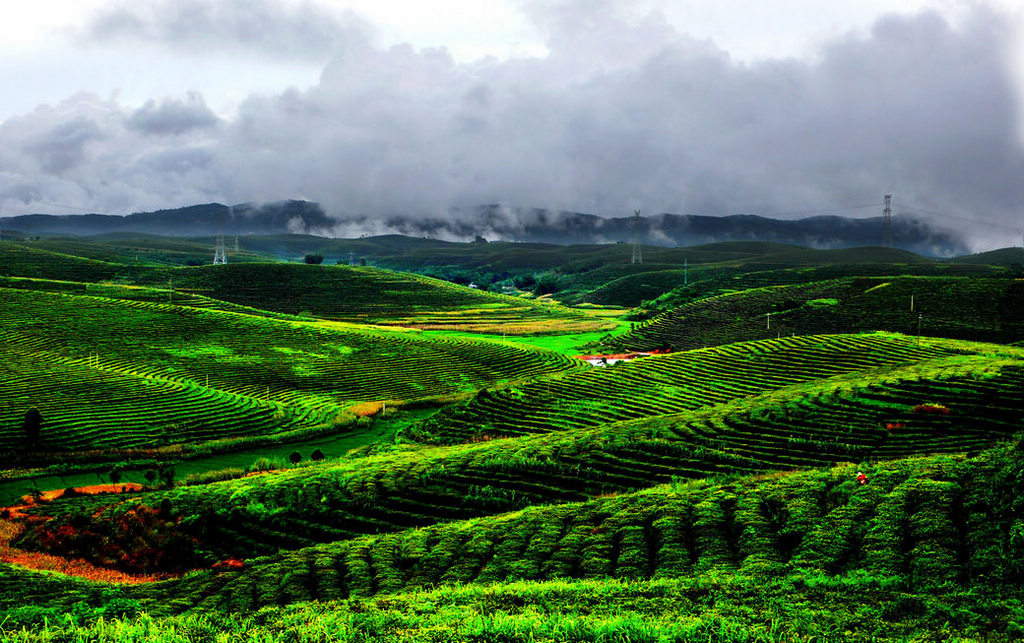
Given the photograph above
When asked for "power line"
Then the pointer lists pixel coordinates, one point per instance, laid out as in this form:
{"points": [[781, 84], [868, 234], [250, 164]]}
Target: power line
{"points": [[915, 210], [819, 211]]}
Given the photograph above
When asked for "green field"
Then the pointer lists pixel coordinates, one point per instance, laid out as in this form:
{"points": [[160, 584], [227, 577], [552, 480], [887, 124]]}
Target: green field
{"points": [[349, 453]]}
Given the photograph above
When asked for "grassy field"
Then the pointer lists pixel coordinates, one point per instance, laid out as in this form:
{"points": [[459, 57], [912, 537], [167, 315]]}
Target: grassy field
{"points": [[511, 492]]}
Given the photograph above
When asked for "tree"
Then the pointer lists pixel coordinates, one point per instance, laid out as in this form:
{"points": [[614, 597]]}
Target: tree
{"points": [[317, 455], [115, 476], [150, 476], [295, 457], [314, 259], [167, 476], [31, 425], [548, 282]]}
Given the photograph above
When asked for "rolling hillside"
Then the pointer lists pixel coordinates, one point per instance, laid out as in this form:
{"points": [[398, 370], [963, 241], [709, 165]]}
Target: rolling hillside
{"points": [[923, 549], [510, 493], [91, 364], [987, 309], [665, 384], [339, 293]]}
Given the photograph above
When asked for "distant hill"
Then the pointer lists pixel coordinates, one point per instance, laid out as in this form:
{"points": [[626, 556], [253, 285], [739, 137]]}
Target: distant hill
{"points": [[504, 223], [1002, 256], [194, 220]]}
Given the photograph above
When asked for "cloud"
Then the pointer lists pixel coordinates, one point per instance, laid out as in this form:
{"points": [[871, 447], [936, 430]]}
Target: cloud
{"points": [[625, 112], [173, 117], [273, 28]]}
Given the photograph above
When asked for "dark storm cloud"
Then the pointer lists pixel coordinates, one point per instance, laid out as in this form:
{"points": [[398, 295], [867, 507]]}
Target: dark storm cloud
{"points": [[271, 27], [173, 116], [621, 114]]}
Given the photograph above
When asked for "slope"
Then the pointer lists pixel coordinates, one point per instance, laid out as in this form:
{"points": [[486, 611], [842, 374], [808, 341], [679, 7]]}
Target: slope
{"points": [[979, 308], [85, 362]]}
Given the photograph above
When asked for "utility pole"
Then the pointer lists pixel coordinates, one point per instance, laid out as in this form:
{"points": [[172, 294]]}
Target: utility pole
{"points": [[220, 255], [170, 290], [351, 258], [686, 272], [638, 256], [768, 321], [911, 302], [887, 221], [919, 316]]}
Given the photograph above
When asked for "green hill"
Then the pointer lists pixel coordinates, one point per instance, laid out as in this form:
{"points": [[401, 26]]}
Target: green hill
{"points": [[1002, 256], [511, 493], [980, 308], [340, 293], [375, 295], [925, 548], [93, 365], [669, 288], [26, 261], [966, 400], [666, 384]]}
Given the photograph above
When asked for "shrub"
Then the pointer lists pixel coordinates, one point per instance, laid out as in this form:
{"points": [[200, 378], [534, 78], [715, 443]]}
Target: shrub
{"points": [[317, 455], [295, 457], [314, 259], [931, 409], [264, 464], [215, 475]]}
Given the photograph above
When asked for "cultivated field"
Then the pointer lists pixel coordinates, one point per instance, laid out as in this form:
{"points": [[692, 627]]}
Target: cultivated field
{"points": [[813, 460]]}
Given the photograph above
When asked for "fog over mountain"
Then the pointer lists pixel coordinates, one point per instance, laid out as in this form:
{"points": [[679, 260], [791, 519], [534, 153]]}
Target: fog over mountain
{"points": [[501, 223], [625, 111]]}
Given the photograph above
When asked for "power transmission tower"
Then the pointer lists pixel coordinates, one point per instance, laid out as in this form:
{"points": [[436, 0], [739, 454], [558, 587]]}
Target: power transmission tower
{"points": [[638, 256], [220, 255], [887, 221]]}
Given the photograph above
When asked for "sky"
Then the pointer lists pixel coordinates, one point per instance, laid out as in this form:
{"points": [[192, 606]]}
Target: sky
{"points": [[375, 107]]}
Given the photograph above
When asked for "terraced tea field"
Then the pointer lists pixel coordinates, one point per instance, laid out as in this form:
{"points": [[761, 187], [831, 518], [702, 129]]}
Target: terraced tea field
{"points": [[919, 532], [340, 293], [908, 525], [84, 362], [513, 493], [376, 296], [859, 416], [664, 384], [985, 309]]}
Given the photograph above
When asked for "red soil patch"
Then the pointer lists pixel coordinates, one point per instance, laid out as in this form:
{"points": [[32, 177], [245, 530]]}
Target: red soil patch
{"points": [[11, 528], [88, 490]]}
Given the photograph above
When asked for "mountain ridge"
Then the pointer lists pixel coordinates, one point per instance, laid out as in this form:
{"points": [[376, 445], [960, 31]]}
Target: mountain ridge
{"points": [[496, 221]]}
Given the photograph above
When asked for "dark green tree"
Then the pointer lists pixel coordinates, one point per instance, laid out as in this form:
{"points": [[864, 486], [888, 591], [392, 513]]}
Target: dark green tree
{"points": [[31, 426], [167, 476], [314, 259], [317, 455], [295, 457]]}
